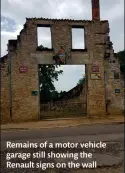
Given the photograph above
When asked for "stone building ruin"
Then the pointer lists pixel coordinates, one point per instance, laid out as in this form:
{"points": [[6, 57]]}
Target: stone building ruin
{"points": [[19, 68]]}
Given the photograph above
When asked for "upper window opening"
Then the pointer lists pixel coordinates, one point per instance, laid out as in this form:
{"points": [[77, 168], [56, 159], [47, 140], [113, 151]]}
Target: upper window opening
{"points": [[78, 40], [44, 38]]}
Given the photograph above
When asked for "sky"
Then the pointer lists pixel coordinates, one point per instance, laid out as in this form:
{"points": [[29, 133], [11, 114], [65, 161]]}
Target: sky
{"points": [[14, 13]]}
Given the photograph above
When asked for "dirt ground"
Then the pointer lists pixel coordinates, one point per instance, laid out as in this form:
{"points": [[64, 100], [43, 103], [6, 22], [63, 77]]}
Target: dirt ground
{"points": [[52, 123]]}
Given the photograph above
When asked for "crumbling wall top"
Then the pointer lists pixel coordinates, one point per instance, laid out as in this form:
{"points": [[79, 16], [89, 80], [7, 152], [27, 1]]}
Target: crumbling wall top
{"points": [[66, 20]]}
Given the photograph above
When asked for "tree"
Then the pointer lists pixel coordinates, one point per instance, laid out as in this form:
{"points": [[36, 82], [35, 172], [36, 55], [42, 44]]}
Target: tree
{"points": [[47, 75], [41, 47], [54, 95], [121, 56], [62, 94], [81, 81]]}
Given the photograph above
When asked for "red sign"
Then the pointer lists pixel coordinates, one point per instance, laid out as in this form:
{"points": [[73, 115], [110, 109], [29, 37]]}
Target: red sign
{"points": [[95, 69], [23, 69]]}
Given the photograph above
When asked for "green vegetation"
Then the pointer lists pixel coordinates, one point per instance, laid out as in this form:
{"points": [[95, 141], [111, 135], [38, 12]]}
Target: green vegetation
{"points": [[81, 81], [41, 47], [121, 56], [47, 75]]}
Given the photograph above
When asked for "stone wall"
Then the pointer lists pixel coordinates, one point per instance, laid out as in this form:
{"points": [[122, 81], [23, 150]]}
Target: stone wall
{"points": [[25, 106], [4, 86], [116, 105], [66, 107], [23, 52], [81, 98]]}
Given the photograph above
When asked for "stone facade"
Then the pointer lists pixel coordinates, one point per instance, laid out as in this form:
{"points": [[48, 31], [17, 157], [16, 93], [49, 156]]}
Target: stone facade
{"points": [[23, 52], [5, 96]]}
